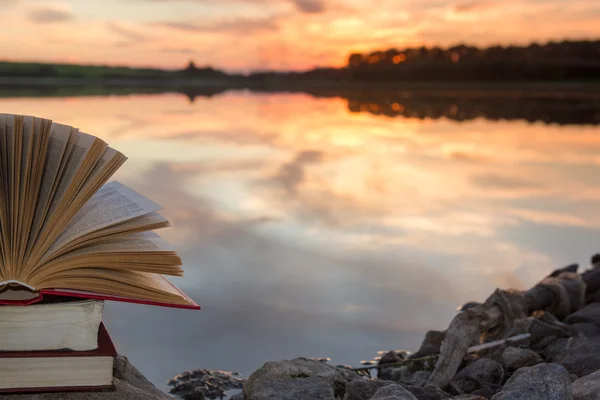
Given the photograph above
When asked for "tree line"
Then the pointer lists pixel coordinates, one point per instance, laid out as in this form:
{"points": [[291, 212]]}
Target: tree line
{"points": [[566, 60]]}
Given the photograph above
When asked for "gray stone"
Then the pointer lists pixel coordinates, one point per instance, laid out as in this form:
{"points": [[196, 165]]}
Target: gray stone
{"points": [[298, 379], [594, 297], [393, 392], [468, 397], [391, 373], [431, 344], [540, 382], [544, 334], [585, 329], [589, 313], [130, 384], [515, 358], [420, 378], [587, 387], [426, 393], [483, 373], [580, 356], [364, 389], [239, 396], [293, 389]]}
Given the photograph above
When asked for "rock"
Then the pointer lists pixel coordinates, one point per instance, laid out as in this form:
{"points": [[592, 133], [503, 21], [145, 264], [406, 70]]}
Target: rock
{"points": [[420, 378], [515, 358], [130, 384], [594, 297], [580, 356], [587, 387], [293, 389], [390, 357], [469, 305], [364, 389], [540, 382], [584, 329], [393, 373], [544, 334], [239, 396], [485, 392], [468, 397], [431, 344], [393, 392], [589, 313], [297, 379], [204, 383], [401, 374], [426, 393], [480, 374]]}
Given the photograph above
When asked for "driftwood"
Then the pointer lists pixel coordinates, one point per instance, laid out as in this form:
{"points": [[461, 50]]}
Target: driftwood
{"points": [[468, 325], [470, 350]]}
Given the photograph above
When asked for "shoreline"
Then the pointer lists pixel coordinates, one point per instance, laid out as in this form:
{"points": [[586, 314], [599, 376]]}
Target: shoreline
{"points": [[296, 84], [542, 343]]}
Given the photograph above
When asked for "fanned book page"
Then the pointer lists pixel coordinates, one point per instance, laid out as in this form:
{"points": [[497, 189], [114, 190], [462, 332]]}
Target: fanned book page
{"points": [[65, 231]]}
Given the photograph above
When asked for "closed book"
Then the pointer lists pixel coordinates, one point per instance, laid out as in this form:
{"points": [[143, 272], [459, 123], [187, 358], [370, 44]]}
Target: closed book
{"points": [[57, 371], [55, 323]]}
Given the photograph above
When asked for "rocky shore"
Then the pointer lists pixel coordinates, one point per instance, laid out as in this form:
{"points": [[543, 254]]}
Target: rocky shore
{"points": [[540, 344]]}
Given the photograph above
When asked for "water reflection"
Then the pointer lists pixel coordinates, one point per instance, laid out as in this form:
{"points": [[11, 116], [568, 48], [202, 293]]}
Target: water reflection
{"points": [[579, 111], [575, 105], [308, 230]]}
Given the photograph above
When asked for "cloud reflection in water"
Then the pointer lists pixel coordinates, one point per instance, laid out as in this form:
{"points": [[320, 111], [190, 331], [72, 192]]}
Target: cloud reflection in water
{"points": [[308, 230]]}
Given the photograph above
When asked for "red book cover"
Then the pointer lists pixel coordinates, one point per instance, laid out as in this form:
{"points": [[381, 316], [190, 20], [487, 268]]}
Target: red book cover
{"points": [[99, 296], [106, 348]]}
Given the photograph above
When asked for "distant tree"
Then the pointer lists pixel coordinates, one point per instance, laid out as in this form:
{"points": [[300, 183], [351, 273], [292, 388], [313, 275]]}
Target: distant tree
{"points": [[355, 59], [191, 68]]}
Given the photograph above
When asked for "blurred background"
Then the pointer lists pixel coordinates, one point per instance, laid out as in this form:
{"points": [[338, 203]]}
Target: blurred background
{"points": [[340, 174]]}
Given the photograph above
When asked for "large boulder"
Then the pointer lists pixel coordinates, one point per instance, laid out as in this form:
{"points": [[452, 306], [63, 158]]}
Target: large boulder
{"points": [[540, 382], [298, 379], [393, 392], [587, 387], [130, 384]]}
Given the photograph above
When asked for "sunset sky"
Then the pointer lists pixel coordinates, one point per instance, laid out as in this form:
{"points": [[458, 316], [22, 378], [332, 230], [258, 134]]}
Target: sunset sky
{"points": [[283, 34]]}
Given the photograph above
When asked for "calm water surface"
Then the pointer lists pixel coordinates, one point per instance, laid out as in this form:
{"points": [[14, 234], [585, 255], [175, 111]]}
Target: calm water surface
{"points": [[307, 230]]}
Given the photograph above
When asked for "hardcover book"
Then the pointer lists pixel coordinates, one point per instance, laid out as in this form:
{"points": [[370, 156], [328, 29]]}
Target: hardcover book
{"points": [[65, 231], [55, 323], [59, 371]]}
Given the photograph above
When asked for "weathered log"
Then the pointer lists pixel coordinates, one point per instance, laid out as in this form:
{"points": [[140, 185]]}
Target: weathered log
{"points": [[472, 349], [467, 326]]}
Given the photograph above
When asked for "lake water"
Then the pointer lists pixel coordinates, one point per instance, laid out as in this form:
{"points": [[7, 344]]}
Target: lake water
{"points": [[309, 230]]}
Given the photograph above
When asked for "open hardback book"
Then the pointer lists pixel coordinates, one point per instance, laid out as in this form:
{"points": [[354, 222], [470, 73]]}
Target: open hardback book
{"points": [[65, 231]]}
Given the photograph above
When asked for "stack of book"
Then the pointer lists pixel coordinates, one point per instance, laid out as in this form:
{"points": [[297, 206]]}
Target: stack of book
{"points": [[69, 241]]}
